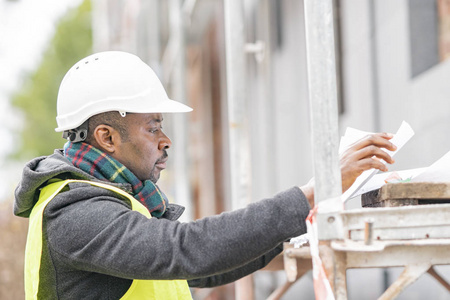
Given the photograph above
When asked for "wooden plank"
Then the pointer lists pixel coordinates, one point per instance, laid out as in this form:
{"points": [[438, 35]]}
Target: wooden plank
{"points": [[415, 190], [407, 193]]}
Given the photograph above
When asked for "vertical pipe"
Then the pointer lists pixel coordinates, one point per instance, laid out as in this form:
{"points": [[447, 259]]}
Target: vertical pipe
{"points": [[323, 98], [267, 93], [237, 106], [376, 95], [178, 83], [100, 26], [374, 65], [237, 126], [151, 20]]}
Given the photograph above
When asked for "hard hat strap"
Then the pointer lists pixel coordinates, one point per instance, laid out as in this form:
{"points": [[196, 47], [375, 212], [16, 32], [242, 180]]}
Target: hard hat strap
{"points": [[78, 134]]}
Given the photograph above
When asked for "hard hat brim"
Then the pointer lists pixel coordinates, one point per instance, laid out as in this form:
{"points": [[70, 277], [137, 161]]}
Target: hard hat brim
{"points": [[171, 106], [166, 106]]}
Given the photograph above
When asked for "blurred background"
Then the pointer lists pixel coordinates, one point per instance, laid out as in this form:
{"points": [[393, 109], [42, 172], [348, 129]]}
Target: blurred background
{"points": [[391, 66]]}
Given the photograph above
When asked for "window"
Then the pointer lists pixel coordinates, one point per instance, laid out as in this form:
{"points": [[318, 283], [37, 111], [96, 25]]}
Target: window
{"points": [[429, 24]]}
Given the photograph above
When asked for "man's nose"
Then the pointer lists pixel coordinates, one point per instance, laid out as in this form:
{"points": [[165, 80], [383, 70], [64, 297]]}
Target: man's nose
{"points": [[164, 142]]}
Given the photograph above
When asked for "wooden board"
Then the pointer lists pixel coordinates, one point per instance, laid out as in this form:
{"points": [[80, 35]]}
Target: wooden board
{"points": [[407, 193]]}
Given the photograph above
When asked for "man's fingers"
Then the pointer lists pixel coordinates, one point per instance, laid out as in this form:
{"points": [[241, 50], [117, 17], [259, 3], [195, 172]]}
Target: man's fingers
{"points": [[352, 169], [370, 146], [368, 153], [371, 163], [365, 164], [373, 151], [378, 139]]}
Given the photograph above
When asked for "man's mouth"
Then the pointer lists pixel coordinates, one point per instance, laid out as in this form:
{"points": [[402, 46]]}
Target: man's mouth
{"points": [[161, 163]]}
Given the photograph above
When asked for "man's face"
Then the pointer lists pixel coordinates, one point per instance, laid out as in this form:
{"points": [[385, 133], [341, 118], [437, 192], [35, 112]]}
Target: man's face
{"points": [[144, 150]]}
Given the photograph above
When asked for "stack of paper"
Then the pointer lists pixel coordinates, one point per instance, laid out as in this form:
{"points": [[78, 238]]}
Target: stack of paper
{"points": [[437, 172]]}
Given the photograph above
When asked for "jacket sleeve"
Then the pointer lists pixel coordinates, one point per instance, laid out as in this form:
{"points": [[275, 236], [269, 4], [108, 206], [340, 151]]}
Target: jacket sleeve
{"points": [[91, 229], [225, 278]]}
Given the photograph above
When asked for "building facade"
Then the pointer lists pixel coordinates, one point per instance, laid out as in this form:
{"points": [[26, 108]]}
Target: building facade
{"points": [[392, 65]]}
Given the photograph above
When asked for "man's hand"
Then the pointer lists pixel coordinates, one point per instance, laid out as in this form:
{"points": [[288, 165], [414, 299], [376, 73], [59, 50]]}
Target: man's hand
{"points": [[363, 155], [308, 191]]}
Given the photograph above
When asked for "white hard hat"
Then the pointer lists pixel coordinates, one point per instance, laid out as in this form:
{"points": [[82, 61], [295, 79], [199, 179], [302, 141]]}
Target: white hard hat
{"points": [[110, 81]]}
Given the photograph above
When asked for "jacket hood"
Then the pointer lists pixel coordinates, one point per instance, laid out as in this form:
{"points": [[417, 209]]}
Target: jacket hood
{"points": [[36, 173]]}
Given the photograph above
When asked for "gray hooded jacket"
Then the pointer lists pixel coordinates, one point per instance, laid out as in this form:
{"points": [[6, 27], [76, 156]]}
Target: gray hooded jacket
{"points": [[94, 245]]}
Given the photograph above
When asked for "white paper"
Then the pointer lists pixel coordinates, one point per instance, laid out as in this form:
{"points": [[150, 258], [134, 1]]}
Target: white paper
{"points": [[437, 172], [299, 241], [402, 136], [378, 180]]}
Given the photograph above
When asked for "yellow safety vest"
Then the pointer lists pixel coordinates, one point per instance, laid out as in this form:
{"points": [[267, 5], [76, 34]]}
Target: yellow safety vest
{"points": [[139, 289]]}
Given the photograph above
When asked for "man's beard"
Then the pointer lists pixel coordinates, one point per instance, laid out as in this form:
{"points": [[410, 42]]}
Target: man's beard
{"points": [[154, 178]]}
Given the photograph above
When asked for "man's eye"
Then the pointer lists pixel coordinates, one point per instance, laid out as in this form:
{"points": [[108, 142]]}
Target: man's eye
{"points": [[154, 130]]}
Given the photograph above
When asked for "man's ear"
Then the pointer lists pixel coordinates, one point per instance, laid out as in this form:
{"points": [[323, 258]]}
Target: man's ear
{"points": [[106, 138]]}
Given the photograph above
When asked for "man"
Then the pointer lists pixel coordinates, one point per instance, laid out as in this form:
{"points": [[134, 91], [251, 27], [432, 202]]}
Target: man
{"points": [[100, 228]]}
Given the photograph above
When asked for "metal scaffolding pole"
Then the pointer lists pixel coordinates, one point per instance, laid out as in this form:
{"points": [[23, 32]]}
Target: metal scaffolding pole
{"points": [[100, 26], [178, 83], [323, 98], [150, 50], [237, 122], [237, 106]]}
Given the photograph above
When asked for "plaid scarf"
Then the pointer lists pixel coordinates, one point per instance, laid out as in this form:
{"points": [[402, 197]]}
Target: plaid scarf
{"points": [[104, 167]]}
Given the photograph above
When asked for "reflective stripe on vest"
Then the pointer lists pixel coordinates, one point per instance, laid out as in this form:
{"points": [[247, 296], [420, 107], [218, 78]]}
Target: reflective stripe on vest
{"points": [[139, 289]]}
